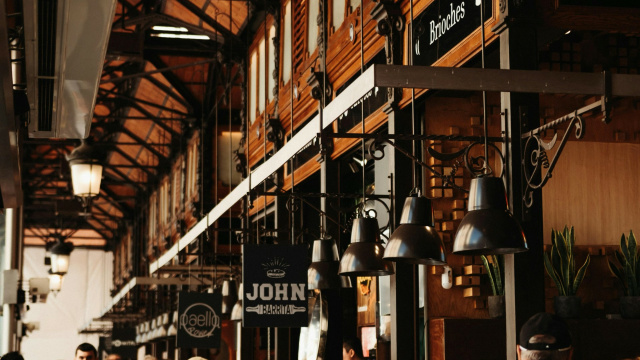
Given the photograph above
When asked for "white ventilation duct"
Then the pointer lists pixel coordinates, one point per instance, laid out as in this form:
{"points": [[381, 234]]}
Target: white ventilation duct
{"points": [[66, 43]]}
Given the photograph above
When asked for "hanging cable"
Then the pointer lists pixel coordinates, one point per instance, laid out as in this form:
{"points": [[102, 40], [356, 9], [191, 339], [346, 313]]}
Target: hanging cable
{"points": [[362, 104], [292, 217], [487, 168]]}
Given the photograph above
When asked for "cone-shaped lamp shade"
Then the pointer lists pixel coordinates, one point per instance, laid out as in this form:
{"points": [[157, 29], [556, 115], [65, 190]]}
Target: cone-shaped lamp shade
{"points": [[364, 255], [323, 271], [229, 295], [415, 241], [236, 313], [488, 228]]}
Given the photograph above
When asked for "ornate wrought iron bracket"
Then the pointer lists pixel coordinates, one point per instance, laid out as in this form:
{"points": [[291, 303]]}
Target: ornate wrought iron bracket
{"points": [[473, 163], [535, 158]]}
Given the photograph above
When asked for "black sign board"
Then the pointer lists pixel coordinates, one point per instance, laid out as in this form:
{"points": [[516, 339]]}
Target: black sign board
{"points": [[123, 343], [274, 285], [443, 25], [199, 320]]}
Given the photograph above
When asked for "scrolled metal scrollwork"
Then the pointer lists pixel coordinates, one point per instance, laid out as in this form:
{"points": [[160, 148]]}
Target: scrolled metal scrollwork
{"points": [[536, 158], [475, 164]]}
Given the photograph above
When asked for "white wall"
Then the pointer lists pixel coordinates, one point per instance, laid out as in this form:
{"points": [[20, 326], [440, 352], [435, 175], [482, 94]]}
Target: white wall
{"points": [[84, 294]]}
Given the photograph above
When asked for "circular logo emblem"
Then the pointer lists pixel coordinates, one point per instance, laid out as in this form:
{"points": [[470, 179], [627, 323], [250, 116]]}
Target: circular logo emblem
{"points": [[199, 320]]}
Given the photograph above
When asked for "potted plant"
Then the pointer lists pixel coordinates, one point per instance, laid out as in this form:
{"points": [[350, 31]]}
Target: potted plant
{"points": [[629, 274], [561, 267], [494, 264]]}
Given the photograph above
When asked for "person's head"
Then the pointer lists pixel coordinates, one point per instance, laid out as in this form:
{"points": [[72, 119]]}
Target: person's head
{"points": [[86, 351], [544, 337], [351, 349], [149, 357], [114, 357], [14, 355]]}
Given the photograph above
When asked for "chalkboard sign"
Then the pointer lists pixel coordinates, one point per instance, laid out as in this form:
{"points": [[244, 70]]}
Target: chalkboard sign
{"points": [[199, 320], [443, 25], [274, 285]]}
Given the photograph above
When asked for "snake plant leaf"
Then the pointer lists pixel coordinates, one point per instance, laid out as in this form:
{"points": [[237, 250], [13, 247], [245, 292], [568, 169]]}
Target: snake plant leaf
{"points": [[498, 272], [554, 276], [632, 246], [563, 266], [580, 275], [620, 257], [555, 256], [572, 260], [489, 273], [619, 273], [624, 248]]}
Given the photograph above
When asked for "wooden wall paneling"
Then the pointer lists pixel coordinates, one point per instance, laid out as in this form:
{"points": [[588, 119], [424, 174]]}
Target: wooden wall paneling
{"points": [[594, 188]]}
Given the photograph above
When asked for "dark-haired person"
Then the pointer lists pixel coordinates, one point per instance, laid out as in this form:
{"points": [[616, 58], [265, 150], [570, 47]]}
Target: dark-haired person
{"points": [[86, 351], [352, 349], [545, 337], [14, 355]]}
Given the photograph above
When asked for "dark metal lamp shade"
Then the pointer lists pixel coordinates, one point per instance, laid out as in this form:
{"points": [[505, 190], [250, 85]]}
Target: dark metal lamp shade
{"points": [[323, 271], [415, 241], [488, 228], [363, 257], [229, 296], [236, 312]]}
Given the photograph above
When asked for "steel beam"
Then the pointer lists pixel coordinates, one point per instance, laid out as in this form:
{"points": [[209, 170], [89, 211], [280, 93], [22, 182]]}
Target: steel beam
{"points": [[343, 102], [191, 101], [500, 80]]}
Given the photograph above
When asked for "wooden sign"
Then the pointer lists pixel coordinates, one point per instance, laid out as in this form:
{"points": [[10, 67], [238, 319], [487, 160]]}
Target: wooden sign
{"points": [[199, 320], [274, 285], [443, 25]]}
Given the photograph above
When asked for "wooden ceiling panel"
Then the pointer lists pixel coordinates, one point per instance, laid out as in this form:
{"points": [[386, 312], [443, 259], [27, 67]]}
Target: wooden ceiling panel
{"points": [[219, 10], [101, 110], [82, 237], [194, 77], [175, 9]]}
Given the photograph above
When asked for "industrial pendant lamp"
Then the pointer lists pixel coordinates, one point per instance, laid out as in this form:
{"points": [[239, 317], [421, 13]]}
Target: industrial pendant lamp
{"points": [[363, 257], [86, 171], [236, 312], [60, 253], [323, 271], [229, 295], [415, 241], [488, 228]]}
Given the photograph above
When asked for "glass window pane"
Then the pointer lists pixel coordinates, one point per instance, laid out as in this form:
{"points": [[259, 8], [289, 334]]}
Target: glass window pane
{"points": [[286, 54], [272, 63], [252, 87], [227, 142], [261, 75], [312, 39], [338, 13]]}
